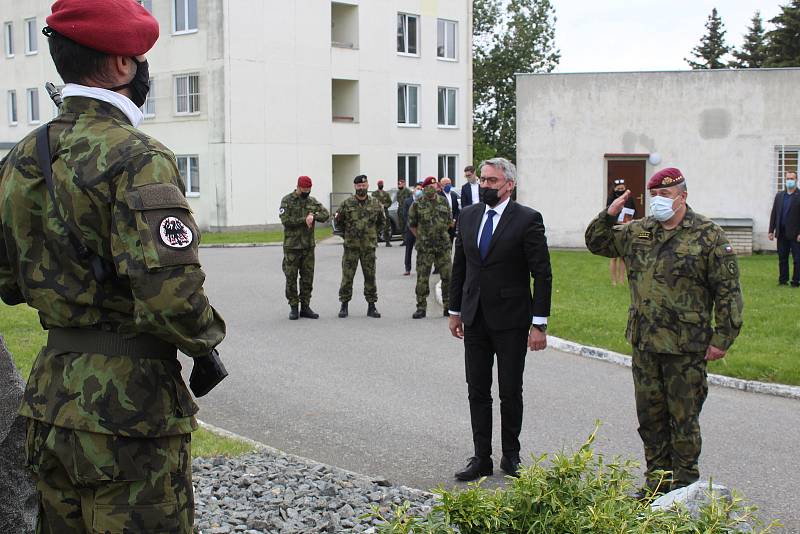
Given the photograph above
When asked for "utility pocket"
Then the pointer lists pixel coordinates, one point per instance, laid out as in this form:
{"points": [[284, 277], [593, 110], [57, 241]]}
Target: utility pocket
{"points": [[695, 332], [161, 518]]}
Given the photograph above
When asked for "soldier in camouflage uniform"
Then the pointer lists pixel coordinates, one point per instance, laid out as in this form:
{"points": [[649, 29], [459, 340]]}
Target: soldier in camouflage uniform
{"points": [[403, 194], [360, 218], [299, 211], [429, 219], [109, 415], [385, 200], [681, 269]]}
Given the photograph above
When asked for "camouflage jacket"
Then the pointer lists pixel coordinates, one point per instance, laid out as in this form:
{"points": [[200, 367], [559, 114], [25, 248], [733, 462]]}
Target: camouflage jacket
{"points": [[361, 222], [122, 192], [677, 278], [383, 197], [294, 210], [431, 218], [402, 196]]}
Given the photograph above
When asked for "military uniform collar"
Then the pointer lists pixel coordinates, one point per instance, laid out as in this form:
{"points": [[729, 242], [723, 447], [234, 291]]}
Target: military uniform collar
{"points": [[80, 105]]}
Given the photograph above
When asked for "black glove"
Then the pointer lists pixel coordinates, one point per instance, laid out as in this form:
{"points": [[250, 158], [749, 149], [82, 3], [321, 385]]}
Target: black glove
{"points": [[207, 372]]}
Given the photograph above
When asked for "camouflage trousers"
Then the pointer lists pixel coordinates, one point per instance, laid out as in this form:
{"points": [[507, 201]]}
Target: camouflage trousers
{"points": [[670, 391], [100, 483], [387, 226], [350, 260], [439, 258], [299, 262]]}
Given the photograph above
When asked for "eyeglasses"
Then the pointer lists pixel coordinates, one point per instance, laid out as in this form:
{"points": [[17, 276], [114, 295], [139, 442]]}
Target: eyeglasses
{"points": [[490, 180]]}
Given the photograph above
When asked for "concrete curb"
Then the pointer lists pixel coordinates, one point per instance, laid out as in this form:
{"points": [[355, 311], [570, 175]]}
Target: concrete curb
{"points": [[764, 388], [262, 447], [330, 240]]}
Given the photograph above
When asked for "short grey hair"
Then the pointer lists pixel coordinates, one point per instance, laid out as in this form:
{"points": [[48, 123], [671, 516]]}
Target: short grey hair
{"points": [[508, 169]]}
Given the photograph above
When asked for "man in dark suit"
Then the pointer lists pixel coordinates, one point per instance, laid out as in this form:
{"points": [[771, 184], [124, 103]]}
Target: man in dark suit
{"points": [[450, 196], [784, 225], [470, 189], [499, 247]]}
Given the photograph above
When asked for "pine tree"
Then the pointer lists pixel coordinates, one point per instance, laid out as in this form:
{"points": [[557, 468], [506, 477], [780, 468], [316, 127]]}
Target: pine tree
{"points": [[712, 48], [753, 53], [783, 49]]}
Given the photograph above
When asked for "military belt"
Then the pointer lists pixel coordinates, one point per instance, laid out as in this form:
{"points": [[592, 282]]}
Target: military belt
{"points": [[110, 343]]}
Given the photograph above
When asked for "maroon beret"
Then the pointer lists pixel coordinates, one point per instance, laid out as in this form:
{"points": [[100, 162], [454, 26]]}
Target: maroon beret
{"points": [[115, 27], [666, 178], [380, 182], [430, 180], [304, 181]]}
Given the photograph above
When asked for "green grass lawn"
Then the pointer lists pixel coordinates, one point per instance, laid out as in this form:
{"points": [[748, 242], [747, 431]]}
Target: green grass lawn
{"points": [[276, 236], [586, 309]]}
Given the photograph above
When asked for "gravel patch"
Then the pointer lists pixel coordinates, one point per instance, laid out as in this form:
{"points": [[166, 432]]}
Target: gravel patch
{"points": [[273, 492]]}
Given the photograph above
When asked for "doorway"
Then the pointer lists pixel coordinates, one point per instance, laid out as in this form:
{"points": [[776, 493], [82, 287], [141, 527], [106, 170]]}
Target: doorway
{"points": [[632, 169]]}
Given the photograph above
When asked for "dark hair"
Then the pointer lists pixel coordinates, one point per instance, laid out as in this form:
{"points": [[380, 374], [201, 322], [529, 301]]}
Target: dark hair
{"points": [[74, 62], [469, 168]]}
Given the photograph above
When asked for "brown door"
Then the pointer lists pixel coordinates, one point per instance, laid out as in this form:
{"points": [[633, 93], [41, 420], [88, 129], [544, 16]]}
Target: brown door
{"points": [[633, 172]]}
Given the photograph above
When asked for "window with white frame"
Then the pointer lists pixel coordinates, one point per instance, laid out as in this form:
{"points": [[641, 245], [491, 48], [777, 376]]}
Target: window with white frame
{"points": [[12, 108], [408, 34], [446, 39], [189, 167], [33, 105], [31, 40], [407, 104], [447, 97], [147, 4], [8, 38], [786, 160], [408, 168], [448, 163], [187, 94], [149, 106], [184, 16]]}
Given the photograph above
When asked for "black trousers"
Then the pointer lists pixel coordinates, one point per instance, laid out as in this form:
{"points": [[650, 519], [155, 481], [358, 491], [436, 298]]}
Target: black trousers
{"points": [[786, 247], [410, 241], [481, 344]]}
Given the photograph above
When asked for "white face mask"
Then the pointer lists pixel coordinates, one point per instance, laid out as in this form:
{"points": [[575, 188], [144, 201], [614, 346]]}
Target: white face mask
{"points": [[661, 208]]}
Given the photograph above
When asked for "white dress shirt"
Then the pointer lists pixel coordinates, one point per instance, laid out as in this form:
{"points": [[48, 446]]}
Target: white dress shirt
{"points": [[476, 192]]}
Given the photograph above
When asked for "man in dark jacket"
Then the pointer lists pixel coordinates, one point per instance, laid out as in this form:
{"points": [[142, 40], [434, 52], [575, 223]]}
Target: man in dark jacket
{"points": [[784, 226]]}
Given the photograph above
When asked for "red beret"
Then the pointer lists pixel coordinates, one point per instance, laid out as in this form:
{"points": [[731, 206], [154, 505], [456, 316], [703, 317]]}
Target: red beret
{"points": [[115, 27], [304, 181], [430, 180], [666, 178]]}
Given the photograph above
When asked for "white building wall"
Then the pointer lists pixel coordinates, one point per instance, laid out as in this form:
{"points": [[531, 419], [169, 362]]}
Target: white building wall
{"points": [[719, 127]]}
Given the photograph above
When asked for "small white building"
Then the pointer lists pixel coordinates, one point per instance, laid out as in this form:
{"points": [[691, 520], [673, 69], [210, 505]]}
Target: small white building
{"points": [[250, 94], [733, 133]]}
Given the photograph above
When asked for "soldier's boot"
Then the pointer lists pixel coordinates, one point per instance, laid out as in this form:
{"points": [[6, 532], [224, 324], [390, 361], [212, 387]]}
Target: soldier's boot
{"points": [[419, 314], [388, 243], [293, 313], [372, 311], [307, 312], [343, 310]]}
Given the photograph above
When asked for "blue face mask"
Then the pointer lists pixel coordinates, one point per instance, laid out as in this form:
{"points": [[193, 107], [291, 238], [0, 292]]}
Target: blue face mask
{"points": [[791, 184], [447, 188], [661, 208], [418, 194]]}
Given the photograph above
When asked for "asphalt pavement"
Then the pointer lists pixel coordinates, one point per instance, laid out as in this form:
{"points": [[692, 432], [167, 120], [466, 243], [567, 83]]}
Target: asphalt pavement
{"points": [[387, 397]]}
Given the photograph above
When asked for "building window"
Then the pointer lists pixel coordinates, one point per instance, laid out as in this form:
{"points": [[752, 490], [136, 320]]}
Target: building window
{"points": [[33, 105], [31, 42], [408, 168], [184, 16], [12, 108], [149, 107], [189, 167], [446, 39], [407, 34], [408, 104], [447, 107], [8, 38], [147, 4], [448, 163], [786, 160], [187, 94]]}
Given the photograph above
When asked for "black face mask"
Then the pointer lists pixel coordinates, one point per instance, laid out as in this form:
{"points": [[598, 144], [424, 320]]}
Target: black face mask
{"points": [[400, 186], [304, 195], [139, 86], [380, 187], [489, 196], [618, 194], [361, 192]]}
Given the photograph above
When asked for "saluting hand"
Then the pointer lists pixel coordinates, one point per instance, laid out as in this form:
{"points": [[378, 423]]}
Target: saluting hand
{"points": [[616, 207], [713, 353]]}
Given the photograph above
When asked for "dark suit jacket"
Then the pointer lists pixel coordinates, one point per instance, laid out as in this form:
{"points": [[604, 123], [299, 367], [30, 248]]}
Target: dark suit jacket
{"points": [[792, 222], [466, 195], [453, 202], [501, 284]]}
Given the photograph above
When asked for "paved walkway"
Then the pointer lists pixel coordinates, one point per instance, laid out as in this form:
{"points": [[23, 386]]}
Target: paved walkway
{"points": [[387, 397]]}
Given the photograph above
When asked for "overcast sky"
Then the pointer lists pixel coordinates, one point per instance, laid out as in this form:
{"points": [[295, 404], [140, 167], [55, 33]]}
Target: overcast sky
{"points": [[625, 35]]}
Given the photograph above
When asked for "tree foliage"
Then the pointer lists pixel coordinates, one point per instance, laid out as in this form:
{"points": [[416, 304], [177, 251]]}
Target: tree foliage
{"points": [[712, 49], [783, 49], [508, 39], [753, 53]]}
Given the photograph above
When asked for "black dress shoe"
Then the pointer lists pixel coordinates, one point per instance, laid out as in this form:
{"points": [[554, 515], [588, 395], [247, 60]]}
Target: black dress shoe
{"points": [[372, 311], [476, 468], [419, 314], [510, 465], [343, 310], [308, 313], [293, 313]]}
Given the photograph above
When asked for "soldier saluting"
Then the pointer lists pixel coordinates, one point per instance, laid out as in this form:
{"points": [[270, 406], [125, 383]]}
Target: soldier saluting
{"points": [[681, 270], [299, 212], [97, 235]]}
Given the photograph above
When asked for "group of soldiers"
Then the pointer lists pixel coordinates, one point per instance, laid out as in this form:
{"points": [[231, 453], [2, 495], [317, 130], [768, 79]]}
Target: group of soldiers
{"points": [[362, 219]]}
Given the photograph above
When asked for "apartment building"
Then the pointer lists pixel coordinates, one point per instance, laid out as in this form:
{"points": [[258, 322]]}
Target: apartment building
{"points": [[250, 94]]}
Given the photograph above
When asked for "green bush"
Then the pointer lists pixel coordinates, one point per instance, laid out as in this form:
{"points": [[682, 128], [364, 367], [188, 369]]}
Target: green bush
{"points": [[572, 493]]}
